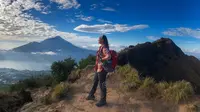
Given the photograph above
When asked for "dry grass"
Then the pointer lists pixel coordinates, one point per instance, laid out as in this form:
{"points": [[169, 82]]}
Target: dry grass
{"points": [[174, 92], [59, 92]]}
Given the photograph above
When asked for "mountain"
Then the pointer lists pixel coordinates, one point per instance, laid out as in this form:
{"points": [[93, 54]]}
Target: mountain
{"points": [[162, 60], [55, 44], [40, 55]]}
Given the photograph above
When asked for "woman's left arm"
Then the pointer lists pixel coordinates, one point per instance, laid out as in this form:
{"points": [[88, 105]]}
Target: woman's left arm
{"points": [[106, 53]]}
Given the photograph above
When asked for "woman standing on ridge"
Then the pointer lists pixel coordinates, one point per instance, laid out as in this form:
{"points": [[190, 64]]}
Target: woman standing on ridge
{"points": [[103, 54]]}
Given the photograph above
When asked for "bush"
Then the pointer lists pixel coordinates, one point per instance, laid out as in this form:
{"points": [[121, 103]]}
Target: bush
{"points": [[75, 74], [178, 91], [32, 82], [90, 60], [4, 87], [130, 78], [60, 91], [61, 69], [147, 88]]}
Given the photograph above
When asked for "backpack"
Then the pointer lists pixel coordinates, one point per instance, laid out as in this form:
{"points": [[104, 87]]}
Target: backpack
{"points": [[110, 65]]}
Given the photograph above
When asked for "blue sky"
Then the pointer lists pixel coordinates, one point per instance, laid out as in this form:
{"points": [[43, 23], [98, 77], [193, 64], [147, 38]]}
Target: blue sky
{"points": [[125, 22]]}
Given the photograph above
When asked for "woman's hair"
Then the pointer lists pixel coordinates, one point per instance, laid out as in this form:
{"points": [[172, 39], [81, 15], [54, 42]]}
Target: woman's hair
{"points": [[105, 41]]}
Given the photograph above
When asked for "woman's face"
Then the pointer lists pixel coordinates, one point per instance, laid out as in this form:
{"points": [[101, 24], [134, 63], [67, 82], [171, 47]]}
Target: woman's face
{"points": [[100, 40]]}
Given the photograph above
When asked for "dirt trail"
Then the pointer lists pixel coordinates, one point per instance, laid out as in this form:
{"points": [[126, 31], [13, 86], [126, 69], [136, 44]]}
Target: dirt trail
{"points": [[117, 101]]}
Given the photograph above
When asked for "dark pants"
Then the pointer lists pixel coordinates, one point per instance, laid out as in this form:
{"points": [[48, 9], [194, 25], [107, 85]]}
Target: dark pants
{"points": [[101, 78]]}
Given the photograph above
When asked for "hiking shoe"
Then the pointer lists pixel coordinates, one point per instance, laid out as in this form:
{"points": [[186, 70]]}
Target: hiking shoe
{"points": [[90, 97], [101, 103]]}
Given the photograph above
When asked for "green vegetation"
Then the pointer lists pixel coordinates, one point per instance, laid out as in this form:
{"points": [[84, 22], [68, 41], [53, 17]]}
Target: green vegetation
{"points": [[33, 82], [90, 60], [62, 69], [174, 92], [129, 77], [4, 88], [178, 91]]}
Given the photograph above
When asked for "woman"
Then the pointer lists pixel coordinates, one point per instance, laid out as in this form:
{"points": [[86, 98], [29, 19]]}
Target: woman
{"points": [[103, 54]]}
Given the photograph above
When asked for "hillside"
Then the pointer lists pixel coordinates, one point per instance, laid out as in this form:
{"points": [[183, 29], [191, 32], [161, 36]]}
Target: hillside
{"points": [[118, 100], [162, 60]]}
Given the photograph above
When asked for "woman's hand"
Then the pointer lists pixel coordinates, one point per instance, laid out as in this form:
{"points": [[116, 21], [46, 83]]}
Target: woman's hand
{"points": [[107, 54]]}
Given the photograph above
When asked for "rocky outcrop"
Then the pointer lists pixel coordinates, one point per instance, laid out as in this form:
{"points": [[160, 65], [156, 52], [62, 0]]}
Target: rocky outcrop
{"points": [[162, 60]]}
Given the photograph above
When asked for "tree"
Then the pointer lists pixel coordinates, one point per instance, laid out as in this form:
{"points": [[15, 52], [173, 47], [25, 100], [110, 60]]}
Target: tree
{"points": [[61, 69], [90, 60]]}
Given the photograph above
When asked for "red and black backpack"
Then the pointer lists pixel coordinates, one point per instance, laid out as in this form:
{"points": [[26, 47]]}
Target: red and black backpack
{"points": [[109, 67]]}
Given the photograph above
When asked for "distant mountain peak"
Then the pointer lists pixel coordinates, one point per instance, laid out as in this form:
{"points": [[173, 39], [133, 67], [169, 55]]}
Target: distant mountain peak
{"points": [[51, 44]]}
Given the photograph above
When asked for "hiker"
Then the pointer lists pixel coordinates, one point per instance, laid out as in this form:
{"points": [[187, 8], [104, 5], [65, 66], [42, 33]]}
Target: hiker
{"points": [[103, 54]]}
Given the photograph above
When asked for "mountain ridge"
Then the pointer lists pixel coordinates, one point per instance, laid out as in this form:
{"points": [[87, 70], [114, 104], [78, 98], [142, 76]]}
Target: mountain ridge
{"points": [[51, 44]]}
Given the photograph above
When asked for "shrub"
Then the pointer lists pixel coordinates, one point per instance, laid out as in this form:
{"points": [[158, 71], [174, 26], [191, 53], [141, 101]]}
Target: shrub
{"points": [[60, 91], [32, 82], [90, 60], [169, 91], [147, 88], [130, 78], [178, 91], [61, 69], [4, 87], [75, 74]]}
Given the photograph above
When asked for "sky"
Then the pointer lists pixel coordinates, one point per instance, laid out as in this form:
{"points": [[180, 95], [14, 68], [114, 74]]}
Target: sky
{"points": [[81, 22]]}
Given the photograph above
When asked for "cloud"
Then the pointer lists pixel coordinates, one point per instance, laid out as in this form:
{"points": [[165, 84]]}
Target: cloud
{"points": [[67, 4], [16, 24], [108, 9], [194, 50], [112, 47], [152, 38], [85, 18], [103, 21], [182, 31], [45, 53], [108, 28]]}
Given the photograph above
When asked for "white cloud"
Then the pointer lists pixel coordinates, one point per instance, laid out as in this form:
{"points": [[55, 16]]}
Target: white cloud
{"points": [[67, 4], [103, 21], [6, 45], [112, 47], [152, 38], [108, 28], [194, 50], [108, 9], [182, 31], [85, 18], [45, 53], [17, 24]]}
